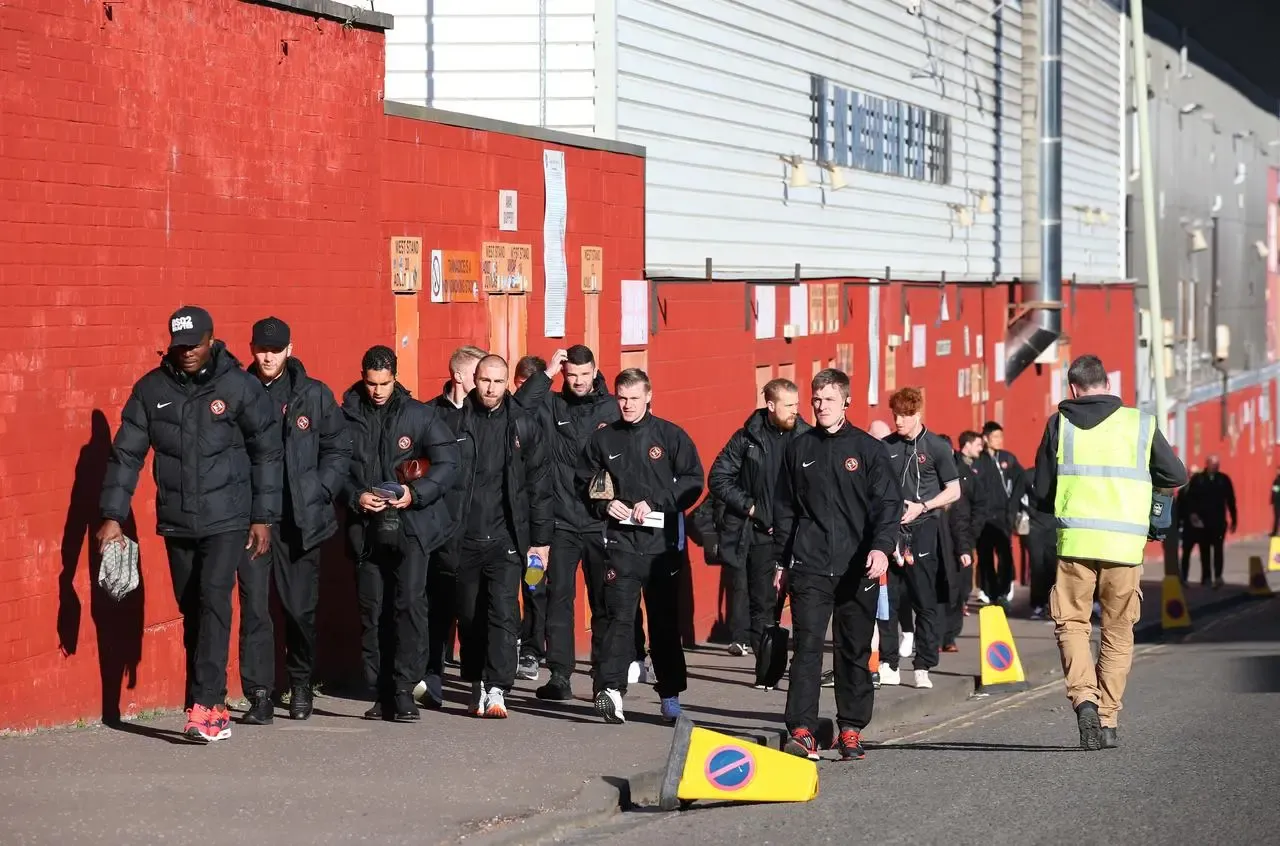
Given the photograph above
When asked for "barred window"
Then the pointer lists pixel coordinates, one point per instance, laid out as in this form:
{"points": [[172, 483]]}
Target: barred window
{"points": [[857, 130]]}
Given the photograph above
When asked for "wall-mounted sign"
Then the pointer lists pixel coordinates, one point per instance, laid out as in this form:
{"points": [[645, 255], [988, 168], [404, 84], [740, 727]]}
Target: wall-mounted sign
{"points": [[941, 347], [437, 276], [507, 268], [507, 202], [461, 276], [406, 264], [592, 270]]}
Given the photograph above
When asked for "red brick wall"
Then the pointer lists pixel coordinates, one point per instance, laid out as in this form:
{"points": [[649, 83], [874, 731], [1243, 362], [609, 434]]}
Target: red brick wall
{"points": [[171, 154]]}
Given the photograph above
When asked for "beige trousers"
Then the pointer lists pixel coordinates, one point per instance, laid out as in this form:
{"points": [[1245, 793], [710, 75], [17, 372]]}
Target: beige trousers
{"points": [[1119, 590]]}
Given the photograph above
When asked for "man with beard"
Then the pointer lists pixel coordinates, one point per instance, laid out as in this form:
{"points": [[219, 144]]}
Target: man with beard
{"points": [[317, 448], [506, 517], [639, 474], [393, 528], [217, 471], [743, 478]]}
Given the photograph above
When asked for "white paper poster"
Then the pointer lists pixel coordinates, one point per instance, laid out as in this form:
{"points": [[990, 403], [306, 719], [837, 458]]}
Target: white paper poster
{"points": [[998, 354], [553, 229], [966, 341], [766, 311], [919, 352], [962, 382], [800, 309], [1114, 379], [635, 312], [507, 210], [873, 347], [1055, 386], [977, 352]]}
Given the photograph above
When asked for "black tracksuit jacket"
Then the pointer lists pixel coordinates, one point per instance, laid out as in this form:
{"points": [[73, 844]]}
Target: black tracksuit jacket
{"points": [[651, 461], [317, 450], [837, 501], [409, 429], [745, 474], [525, 496], [218, 456], [569, 421]]}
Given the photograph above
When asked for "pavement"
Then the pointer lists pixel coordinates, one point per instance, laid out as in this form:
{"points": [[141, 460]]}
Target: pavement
{"points": [[549, 769], [1196, 742]]}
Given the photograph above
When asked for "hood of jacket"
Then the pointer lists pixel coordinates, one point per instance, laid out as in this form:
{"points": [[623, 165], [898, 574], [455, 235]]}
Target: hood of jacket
{"points": [[1088, 412]]}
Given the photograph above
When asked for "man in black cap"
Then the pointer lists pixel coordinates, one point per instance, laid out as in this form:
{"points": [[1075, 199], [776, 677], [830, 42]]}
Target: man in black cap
{"points": [[317, 448], [218, 472]]}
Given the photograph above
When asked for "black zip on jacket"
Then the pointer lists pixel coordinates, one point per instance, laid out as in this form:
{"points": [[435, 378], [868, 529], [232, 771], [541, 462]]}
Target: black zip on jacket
{"points": [[745, 475], [317, 449], [524, 497], [569, 421], [382, 439], [218, 456], [837, 501], [653, 461]]}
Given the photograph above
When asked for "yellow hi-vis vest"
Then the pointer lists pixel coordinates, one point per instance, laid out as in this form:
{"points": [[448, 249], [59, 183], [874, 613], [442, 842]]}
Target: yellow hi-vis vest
{"points": [[1103, 501]]}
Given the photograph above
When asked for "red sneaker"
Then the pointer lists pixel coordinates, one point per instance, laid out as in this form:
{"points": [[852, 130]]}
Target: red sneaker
{"points": [[802, 744], [850, 745]]}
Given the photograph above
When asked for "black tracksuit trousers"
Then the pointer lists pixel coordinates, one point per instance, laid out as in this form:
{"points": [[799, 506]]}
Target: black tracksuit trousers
{"points": [[848, 602], [1042, 544], [442, 600], [752, 596], [204, 572], [390, 586], [626, 577], [995, 563], [296, 573], [488, 608], [916, 583]]}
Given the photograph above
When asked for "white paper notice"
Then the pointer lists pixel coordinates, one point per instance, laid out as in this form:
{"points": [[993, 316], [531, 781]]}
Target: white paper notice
{"points": [[1114, 379], [977, 352], [635, 312], [766, 311], [1055, 386], [800, 309], [553, 229], [919, 350], [998, 353], [962, 379], [966, 341], [873, 347]]}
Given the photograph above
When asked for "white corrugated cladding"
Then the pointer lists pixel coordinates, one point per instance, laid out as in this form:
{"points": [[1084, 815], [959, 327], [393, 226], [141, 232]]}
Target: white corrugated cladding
{"points": [[717, 90], [524, 61], [1092, 154]]}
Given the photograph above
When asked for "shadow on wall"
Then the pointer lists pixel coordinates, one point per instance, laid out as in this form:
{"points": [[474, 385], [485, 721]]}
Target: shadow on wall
{"points": [[118, 625]]}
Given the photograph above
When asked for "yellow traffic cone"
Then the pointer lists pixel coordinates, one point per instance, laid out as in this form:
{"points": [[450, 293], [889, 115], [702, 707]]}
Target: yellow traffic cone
{"points": [[1001, 666], [1273, 554], [1258, 578], [1173, 606], [705, 764]]}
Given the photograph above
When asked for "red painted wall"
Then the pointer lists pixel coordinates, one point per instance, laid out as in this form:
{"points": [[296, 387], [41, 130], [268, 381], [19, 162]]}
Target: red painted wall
{"points": [[1246, 448]]}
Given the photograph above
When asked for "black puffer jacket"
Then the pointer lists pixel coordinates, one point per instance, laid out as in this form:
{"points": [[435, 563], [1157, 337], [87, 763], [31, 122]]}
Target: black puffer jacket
{"points": [[526, 490], [317, 449], [568, 421], [745, 475], [218, 465], [409, 429]]}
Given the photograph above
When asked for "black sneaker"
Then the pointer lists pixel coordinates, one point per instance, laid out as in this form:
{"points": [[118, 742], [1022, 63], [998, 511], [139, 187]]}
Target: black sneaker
{"points": [[261, 709], [1090, 726], [527, 668], [406, 710], [300, 702], [850, 745], [375, 711], [558, 689], [829, 678], [1110, 739], [802, 744]]}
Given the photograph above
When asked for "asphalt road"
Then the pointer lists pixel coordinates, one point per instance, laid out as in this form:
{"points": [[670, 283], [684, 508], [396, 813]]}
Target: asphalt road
{"points": [[1197, 764]]}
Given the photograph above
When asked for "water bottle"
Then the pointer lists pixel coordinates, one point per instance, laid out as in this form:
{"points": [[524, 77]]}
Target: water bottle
{"points": [[535, 569], [882, 600]]}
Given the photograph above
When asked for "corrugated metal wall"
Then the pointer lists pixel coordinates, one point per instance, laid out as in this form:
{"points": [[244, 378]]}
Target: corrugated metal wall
{"points": [[525, 61]]}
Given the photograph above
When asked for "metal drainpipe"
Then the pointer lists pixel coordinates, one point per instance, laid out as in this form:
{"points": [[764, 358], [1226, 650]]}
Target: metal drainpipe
{"points": [[1214, 286], [1033, 332]]}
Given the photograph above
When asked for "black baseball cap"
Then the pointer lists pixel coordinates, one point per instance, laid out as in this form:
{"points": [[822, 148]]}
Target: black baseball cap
{"points": [[188, 326], [270, 332]]}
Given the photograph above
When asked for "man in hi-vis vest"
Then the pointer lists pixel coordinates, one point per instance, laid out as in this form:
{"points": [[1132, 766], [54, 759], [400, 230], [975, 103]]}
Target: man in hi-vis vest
{"points": [[1096, 469]]}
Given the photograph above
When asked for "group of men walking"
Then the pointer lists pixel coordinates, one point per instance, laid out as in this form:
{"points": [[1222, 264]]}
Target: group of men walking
{"points": [[456, 505]]}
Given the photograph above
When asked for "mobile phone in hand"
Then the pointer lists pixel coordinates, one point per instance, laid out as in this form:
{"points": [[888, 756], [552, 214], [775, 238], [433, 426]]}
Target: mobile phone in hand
{"points": [[388, 491]]}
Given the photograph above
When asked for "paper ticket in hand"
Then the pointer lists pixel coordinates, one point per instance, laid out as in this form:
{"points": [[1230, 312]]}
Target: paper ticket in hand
{"points": [[652, 520]]}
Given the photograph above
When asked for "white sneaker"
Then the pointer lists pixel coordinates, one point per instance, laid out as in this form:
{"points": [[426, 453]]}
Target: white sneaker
{"points": [[888, 675], [479, 699], [638, 672], [495, 706], [983, 599], [908, 647], [1012, 589], [609, 706], [922, 679]]}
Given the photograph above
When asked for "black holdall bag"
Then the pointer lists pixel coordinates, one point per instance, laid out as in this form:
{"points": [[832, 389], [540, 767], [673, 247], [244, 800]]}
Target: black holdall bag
{"points": [[771, 657], [702, 529]]}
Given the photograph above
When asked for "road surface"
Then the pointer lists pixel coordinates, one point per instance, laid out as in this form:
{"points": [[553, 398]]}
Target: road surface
{"points": [[1196, 764]]}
